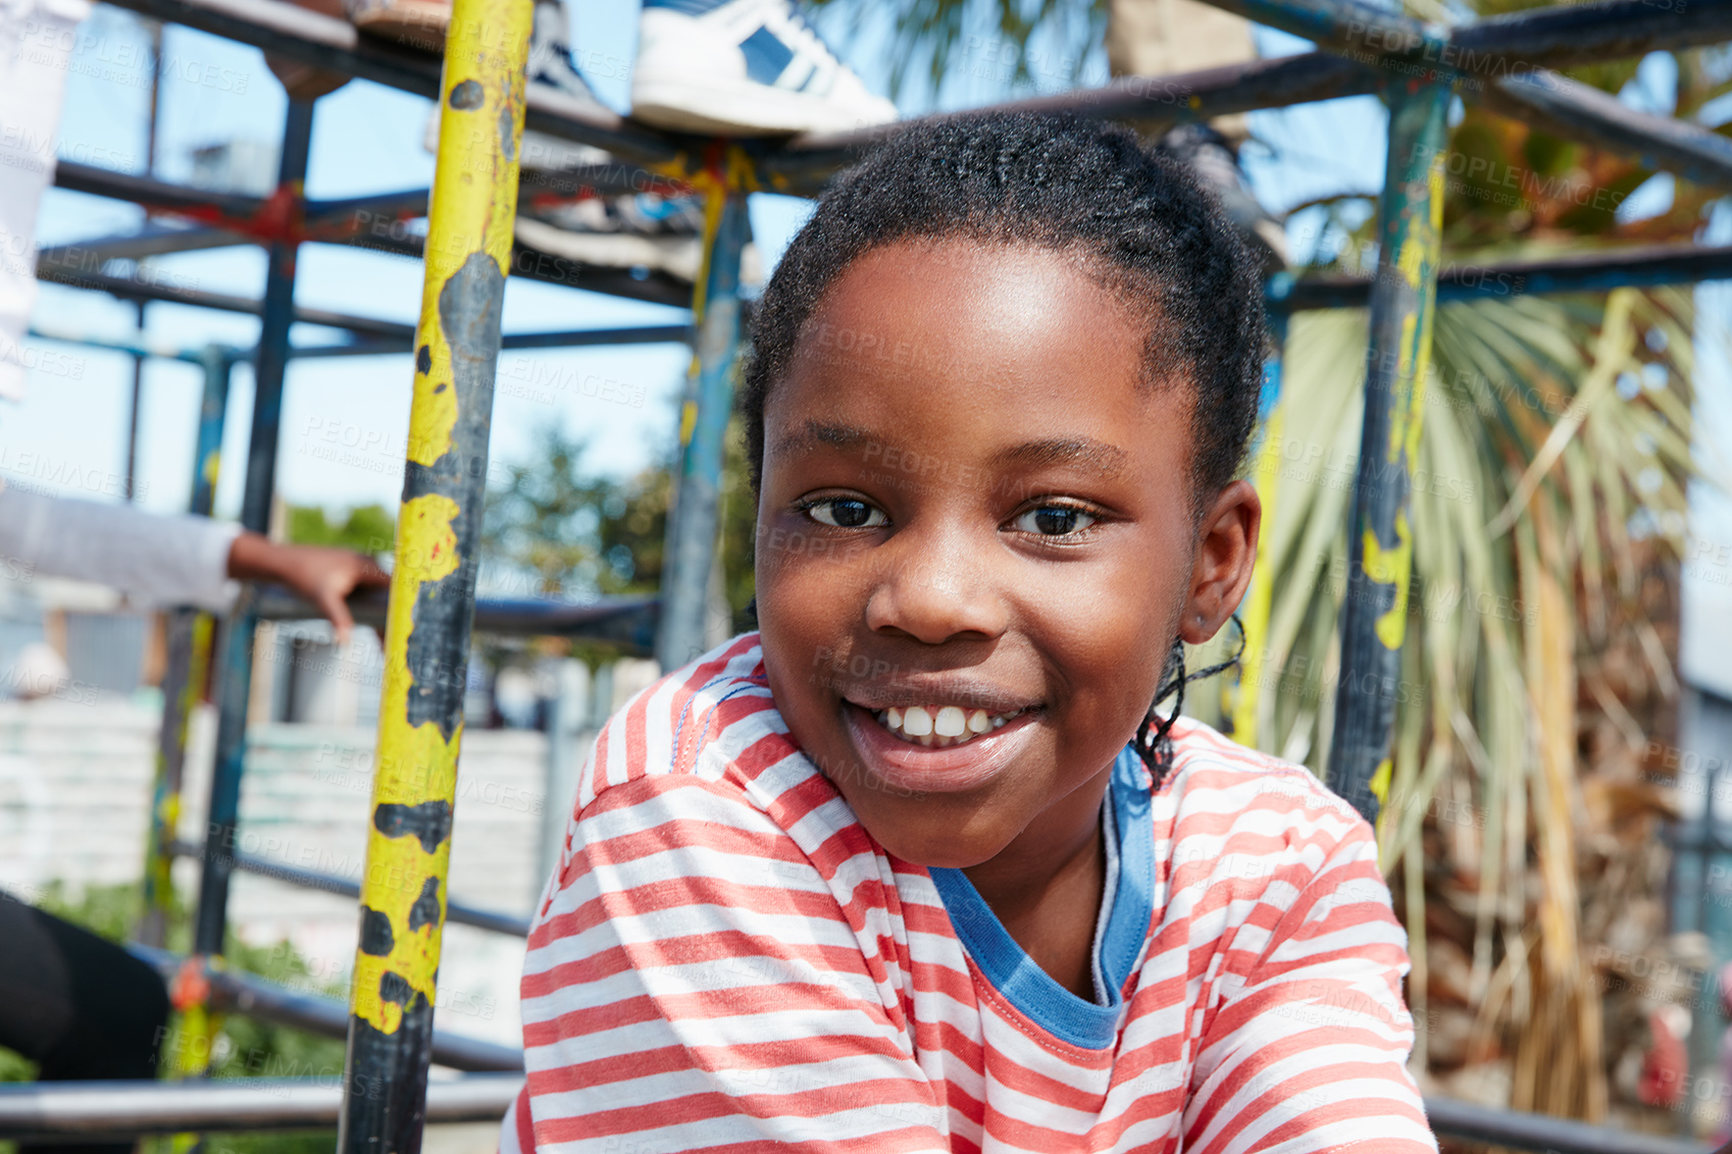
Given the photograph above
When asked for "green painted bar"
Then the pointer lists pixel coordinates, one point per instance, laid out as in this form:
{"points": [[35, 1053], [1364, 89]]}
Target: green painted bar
{"points": [[1380, 539]]}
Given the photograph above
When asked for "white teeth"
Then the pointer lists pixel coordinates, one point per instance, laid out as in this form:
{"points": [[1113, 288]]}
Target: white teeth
{"points": [[916, 722], [940, 726]]}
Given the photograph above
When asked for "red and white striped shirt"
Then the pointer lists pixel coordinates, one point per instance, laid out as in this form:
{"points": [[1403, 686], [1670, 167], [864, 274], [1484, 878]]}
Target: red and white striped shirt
{"points": [[726, 960]]}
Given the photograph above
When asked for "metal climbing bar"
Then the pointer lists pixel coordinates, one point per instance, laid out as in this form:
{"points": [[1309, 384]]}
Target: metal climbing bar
{"points": [[1544, 1134], [156, 195], [121, 1110], [1379, 534], [88, 1111], [378, 222], [627, 623], [1153, 103], [1566, 34], [432, 604], [189, 634], [266, 1001], [310, 37], [1580, 112], [709, 399], [270, 362], [347, 887], [1559, 105], [76, 275], [1500, 46], [1639, 265]]}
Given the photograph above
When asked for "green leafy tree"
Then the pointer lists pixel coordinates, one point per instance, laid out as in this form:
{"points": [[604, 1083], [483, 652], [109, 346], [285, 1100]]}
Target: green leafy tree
{"points": [[541, 525], [369, 529], [633, 530], [572, 533]]}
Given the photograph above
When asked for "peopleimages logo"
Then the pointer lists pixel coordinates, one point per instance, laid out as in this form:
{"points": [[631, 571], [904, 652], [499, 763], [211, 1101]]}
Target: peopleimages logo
{"points": [[50, 473], [41, 360], [1487, 179], [122, 60]]}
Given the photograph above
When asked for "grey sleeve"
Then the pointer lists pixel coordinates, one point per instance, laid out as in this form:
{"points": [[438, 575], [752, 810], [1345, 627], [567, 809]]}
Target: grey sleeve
{"points": [[153, 558]]}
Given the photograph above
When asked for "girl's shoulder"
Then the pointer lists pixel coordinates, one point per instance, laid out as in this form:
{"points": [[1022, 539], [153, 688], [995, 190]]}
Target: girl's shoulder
{"points": [[1262, 837], [701, 758], [712, 719], [1215, 780]]}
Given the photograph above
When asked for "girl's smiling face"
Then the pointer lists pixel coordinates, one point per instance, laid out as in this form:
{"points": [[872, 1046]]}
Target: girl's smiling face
{"points": [[975, 513]]}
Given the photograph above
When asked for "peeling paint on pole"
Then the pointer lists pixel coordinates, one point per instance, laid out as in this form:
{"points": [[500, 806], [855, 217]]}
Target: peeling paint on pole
{"points": [[1380, 537], [432, 602], [694, 520]]}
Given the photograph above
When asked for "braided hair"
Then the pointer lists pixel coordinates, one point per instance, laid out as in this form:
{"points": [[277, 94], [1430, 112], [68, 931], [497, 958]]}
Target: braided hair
{"points": [[1139, 222]]}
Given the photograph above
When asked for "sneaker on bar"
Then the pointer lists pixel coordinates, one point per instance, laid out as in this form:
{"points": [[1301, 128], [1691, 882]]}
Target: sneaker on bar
{"points": [[635, 231], [743, 68], [550, 64]]}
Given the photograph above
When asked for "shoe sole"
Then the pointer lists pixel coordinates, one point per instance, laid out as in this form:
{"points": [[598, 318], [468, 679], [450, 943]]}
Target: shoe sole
{"points": [[738, 111]]}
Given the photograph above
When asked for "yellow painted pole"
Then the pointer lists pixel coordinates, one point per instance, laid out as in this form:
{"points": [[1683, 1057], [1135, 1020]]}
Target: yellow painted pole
{"points": [[432, 604], [1254, 614]]}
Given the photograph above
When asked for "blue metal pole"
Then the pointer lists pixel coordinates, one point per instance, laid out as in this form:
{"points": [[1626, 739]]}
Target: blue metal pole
{"points": [[1498, 47], [237, 659], [189, 642], [694, 518]]}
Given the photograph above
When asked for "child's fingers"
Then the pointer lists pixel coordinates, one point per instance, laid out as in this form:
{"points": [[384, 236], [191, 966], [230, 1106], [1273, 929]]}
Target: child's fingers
{"points": [[336, 610]]}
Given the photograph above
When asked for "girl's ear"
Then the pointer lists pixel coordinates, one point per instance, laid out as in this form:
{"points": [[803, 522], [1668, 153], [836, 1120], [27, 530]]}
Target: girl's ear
{"points": [[1221, 569]]}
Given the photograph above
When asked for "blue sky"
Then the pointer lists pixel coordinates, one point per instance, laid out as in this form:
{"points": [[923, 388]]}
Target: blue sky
{"points": [[344, 419]]}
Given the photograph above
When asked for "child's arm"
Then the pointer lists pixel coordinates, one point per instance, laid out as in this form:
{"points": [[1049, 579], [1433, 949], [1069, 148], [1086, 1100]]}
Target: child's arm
{"points": [[1309, 1054], [325, 575], [155, 558], [692, 982], [164, 559]]}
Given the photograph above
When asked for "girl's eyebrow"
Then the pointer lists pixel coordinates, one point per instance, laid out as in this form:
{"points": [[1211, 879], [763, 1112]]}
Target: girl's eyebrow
{"points": [[1060, 452], [1073, 452], [814, 433]]}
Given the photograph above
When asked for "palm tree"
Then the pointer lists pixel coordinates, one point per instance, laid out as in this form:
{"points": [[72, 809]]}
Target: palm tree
{"points": [[1554, 454], [1520, 831]]}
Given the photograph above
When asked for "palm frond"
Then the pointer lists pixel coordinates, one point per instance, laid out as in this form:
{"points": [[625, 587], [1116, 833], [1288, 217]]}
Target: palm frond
{"points": [[1531, 465]]}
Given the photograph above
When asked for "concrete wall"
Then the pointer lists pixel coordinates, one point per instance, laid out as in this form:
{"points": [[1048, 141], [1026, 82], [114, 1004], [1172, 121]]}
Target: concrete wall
{"points": [[75, 779]]}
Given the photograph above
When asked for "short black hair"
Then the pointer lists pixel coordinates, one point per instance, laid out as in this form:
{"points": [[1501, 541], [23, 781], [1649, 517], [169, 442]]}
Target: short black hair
{"points": [[1141, 221]]}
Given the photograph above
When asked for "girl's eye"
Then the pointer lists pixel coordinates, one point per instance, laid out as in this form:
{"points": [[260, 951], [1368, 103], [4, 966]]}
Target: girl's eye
{"points": [[1054, 521], [845, 513]]}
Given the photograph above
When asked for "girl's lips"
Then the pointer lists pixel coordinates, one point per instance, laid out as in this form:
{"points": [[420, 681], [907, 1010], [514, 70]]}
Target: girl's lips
{"points": [[894, 764]]}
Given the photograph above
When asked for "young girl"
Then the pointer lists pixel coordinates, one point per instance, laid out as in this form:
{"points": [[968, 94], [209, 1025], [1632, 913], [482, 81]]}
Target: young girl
{"points": [[918, 866]]}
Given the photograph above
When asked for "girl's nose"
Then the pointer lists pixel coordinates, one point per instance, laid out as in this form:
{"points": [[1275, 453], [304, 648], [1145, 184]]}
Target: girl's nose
{"points": [[938, 586]]}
